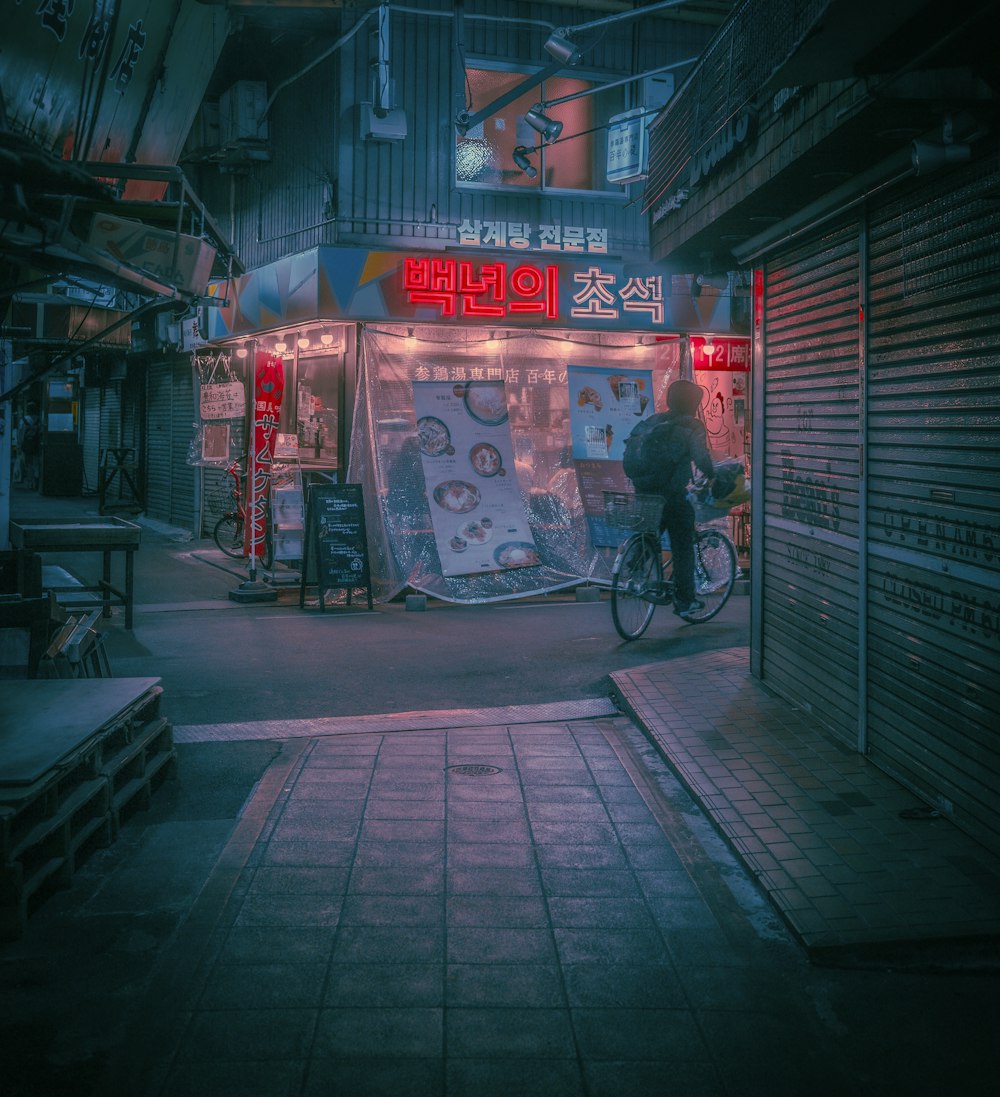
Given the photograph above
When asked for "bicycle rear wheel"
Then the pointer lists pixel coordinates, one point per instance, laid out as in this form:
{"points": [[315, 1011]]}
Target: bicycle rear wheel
{"points": [[636, 571], [228, 535], [714, 573]]}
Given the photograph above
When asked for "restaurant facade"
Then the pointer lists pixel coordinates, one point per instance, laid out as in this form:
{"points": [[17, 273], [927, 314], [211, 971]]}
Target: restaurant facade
{"points": [[481, 399]]}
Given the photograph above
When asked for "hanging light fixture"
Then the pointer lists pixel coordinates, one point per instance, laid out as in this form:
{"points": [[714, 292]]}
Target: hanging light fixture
{"points": [[548, 127], [521, 161], [560, 48], [241, 352], [280, 346], [326, 339], [303, 342]]}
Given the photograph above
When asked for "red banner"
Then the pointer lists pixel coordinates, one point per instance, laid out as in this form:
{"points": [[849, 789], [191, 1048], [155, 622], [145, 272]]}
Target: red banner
{"points": [[269, 386], [721, 352]]}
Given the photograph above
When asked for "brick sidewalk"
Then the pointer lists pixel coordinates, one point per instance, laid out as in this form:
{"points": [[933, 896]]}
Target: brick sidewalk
{"points": [[818, 825]]}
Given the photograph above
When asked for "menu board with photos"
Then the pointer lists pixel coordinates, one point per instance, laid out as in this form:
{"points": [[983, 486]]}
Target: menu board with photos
{"points": [[477, 512]]}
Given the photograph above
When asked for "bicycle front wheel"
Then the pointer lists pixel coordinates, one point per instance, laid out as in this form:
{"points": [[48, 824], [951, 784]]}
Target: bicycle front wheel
{"points": [[228, 535], [714, 573], [637, 571]]}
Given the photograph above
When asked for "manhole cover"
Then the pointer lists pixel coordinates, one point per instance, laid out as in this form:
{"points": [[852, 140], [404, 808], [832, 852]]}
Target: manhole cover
{"points": [[475, 771]]}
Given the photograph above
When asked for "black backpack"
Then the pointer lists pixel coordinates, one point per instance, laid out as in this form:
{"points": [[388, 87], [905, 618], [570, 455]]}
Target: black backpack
{"points": [[647, 448]]}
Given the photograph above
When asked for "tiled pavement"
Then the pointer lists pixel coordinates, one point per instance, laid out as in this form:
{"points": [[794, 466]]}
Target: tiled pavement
{"points": [[381, 923], [818, 825]]}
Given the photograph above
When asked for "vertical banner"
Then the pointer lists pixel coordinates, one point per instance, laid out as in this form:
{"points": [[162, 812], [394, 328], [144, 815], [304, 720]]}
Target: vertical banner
{"points": [[477, 513], [604, 406], [269, 386]]}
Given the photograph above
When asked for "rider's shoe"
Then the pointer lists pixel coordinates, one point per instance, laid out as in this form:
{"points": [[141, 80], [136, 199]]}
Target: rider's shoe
{"points": [[686, 612]]}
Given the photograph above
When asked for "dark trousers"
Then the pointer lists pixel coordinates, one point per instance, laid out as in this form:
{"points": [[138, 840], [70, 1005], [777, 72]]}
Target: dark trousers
{"points": [[678, 521]]}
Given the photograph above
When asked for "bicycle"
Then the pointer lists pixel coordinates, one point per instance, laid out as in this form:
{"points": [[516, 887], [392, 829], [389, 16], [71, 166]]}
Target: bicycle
{"points": [[641, 581], [228, 531]]}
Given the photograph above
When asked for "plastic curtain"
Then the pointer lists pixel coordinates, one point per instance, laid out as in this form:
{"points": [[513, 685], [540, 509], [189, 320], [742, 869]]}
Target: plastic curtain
{"points": [[385, 455]]}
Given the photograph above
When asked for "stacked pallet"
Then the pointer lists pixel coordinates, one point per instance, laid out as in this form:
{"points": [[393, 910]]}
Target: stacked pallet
{"points": [[76, 758]]}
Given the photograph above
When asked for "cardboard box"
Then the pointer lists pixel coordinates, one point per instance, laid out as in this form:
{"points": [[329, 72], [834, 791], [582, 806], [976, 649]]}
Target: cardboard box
{"points": [[179, 260]]}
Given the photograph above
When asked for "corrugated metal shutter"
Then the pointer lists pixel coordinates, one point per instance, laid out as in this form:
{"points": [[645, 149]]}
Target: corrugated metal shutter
{"points": [[90, 437], [170, 480], [934, 495], [811, 468]]}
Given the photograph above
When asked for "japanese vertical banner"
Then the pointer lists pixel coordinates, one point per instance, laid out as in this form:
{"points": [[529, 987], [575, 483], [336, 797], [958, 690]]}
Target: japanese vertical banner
{"points": [[269, 386]]}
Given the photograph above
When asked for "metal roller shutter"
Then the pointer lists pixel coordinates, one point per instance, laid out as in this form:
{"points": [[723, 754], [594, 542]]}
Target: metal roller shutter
{"points": [[934, 495], [170, 480], [809, 649], [90, 437]]}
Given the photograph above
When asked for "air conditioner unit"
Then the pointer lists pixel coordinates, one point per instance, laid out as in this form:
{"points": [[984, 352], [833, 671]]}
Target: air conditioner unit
{"points": [[241, 113]]}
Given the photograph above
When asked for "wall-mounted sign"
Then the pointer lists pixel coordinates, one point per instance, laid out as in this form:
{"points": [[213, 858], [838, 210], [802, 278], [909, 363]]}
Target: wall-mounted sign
{"points": [[337, 285], [495, 291], [225, 401], [628, 146], [720, 352], [732, 137], [523, 236]]}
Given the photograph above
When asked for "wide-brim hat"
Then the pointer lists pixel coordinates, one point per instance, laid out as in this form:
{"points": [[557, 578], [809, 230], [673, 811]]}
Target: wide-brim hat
{"points": [[685, 396]]}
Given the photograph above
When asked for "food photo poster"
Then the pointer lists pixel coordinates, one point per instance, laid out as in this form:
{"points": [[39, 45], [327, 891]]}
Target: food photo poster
{"points": [[478, 515], [604, 406]]}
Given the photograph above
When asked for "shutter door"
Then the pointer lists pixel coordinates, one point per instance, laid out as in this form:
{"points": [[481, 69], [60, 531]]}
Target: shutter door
{"points": [[90, 437], [809, 648], [170, 480], [934, 495]]}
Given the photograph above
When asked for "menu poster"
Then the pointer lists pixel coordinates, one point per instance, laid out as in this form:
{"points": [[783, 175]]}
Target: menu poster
{"points": [[604, 405], [477, 512]]}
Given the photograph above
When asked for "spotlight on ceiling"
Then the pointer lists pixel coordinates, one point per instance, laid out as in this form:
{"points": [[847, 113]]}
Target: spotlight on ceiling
{"points": [[559, 47], [549, 128], [521, 161]]}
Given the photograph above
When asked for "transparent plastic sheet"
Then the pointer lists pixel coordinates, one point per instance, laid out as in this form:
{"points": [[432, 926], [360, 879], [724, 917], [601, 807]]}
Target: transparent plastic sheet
{"points": [[385, 457]]}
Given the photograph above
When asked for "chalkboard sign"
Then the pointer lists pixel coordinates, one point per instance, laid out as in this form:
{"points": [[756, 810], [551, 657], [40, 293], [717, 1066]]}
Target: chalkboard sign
{"points": [[336, 543]]}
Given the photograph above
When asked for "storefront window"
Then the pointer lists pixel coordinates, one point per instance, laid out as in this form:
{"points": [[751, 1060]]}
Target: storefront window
{"points": [[316, 408], [484, 157]]}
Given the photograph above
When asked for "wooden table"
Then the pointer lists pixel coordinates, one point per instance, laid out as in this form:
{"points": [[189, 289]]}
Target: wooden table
{"points": [[105, 535]]}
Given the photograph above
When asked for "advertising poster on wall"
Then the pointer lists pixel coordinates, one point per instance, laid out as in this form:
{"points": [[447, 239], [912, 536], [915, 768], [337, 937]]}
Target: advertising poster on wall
{"points": [[477, 512], [722, 368], [604, 406]]}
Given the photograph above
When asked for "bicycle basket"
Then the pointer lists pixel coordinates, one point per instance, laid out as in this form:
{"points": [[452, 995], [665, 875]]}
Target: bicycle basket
{"points": [[706, 512], [626, 513]]}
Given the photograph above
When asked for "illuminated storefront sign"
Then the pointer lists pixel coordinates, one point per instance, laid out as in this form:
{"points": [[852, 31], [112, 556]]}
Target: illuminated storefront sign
{"points": [[710, 352], [482, 289], [522, 235], [495, 291], [335, 284]]}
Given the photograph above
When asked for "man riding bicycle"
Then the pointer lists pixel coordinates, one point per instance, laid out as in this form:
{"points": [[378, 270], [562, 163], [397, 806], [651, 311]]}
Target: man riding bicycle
{"points": [[674, 439]]}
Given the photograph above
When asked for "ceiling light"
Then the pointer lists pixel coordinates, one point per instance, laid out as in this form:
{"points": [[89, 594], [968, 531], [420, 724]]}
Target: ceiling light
{"points": [[549, 128], [326, 339], [561, 48], [241, 352], [521, 161], [303, 342], [411, 340], [281, 346]]}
